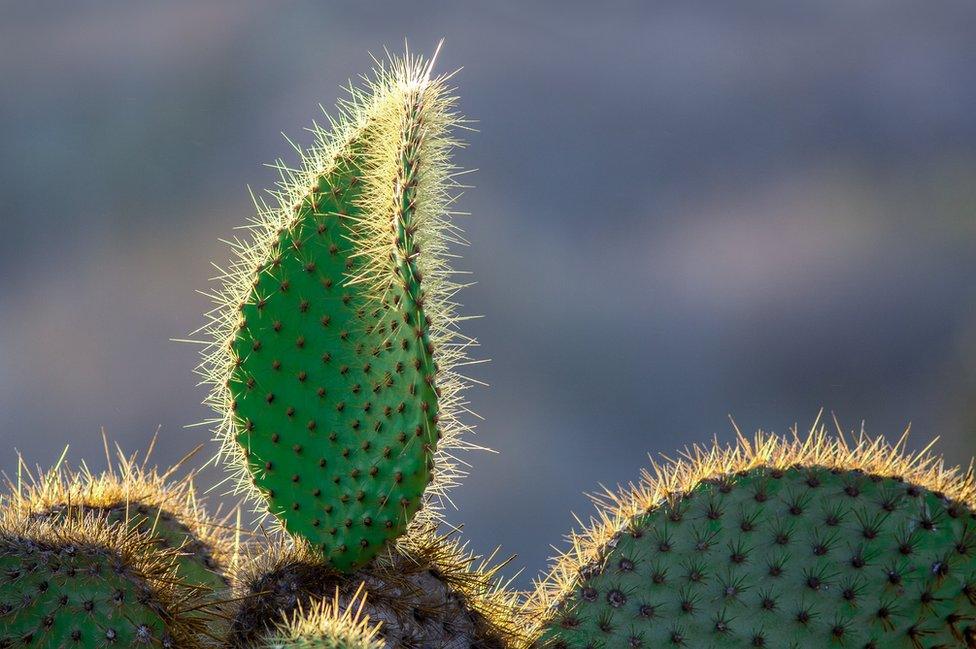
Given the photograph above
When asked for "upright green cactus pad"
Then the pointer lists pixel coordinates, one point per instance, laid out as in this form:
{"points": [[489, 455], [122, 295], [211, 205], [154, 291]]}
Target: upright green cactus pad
{"points": [[336, 341], [814, 547], [83, 583], [335, 389]]}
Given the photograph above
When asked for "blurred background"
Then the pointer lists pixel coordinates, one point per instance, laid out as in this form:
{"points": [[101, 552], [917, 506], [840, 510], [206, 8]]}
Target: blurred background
{"points": [[683, 211]]}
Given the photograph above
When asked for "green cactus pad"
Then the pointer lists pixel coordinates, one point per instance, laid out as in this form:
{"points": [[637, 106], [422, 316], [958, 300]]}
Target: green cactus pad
{"points": [[336, 340], [163, 508], [83, 583], [334, 391], [785, 554], [195, 562]]}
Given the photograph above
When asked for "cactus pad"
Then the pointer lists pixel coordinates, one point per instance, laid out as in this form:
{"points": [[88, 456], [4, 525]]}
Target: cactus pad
{"points": [[196, 563], [425, 591], [80, 582], [142, 498], [334, 347], [776, 544]]}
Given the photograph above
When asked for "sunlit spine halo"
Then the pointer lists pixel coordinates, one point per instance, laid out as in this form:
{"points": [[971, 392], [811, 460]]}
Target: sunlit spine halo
{"points": [[794, 542], [333, 352]]}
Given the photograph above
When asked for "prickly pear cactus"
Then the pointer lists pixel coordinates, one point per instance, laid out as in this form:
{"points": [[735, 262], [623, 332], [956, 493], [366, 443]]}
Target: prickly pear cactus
{"points": [[424, 591], [196, 561], [140, 497], [334, 342], [80, 582], [775, 544], [328, 624]]}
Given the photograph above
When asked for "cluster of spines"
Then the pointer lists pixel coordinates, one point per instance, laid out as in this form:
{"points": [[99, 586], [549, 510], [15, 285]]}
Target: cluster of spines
{"points": [[140, 497], [402, 229], [328, 624], [686, 498], [80, 581]]}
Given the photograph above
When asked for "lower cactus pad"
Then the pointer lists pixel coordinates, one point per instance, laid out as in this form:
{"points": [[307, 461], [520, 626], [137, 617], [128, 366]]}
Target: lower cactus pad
{"points": [[80, 582], [196, 562], [776, 544], [145, 499], [426, 592]]}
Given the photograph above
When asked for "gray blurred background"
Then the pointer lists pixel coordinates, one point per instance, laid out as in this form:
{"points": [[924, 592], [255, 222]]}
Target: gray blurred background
{"points": [[682, 211]]}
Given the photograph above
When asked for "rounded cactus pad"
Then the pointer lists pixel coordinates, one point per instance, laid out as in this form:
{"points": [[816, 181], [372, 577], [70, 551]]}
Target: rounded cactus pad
{"points": [[81, 582], [334, 345], [775, 543], [196, 561], [425, 590], [328, 624], [142, 498]]}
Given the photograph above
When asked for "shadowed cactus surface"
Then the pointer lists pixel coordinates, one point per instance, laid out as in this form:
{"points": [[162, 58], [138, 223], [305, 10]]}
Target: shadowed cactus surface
{"points": [[81, 582], [328, 624], [425, 591], [334, 344], [775, 543]]}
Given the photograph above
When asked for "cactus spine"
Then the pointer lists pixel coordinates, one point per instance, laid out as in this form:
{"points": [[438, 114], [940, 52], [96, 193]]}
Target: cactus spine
{"points": [[333, 346], [775, 543], [328, 624], [82, 582], [141, 498]]}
